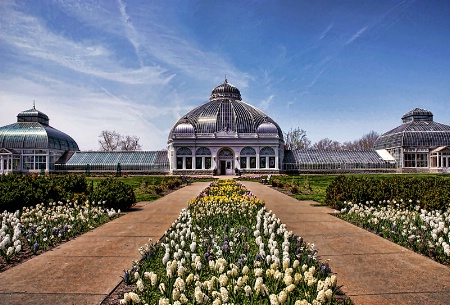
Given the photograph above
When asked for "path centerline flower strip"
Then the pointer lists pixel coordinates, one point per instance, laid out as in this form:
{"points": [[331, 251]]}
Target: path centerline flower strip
{"points": [[226, 248]]}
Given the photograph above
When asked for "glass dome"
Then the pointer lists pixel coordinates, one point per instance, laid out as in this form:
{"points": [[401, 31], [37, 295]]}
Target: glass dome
{"points": [[267, 127], [226, 111], [418, 130], [32, 131], [184, 128]]}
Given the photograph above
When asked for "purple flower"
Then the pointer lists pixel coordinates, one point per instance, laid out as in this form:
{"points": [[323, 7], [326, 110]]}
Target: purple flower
{"points": [[36, 247], [226, 247], [240, 262], [126, 276], [325, 268]]}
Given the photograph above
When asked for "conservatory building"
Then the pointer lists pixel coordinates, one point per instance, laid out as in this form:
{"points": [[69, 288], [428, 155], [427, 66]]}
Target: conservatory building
{"points": [[419, 144], [32, 145], [225, 136]]}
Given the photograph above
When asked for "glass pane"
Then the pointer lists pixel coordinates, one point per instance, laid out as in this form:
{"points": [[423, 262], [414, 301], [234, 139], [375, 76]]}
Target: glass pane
{"points": [[262, 162], [272, 162], [252, 162], [179, 163], [188, 162], [198, 163], [243, 162], [208, 162]]}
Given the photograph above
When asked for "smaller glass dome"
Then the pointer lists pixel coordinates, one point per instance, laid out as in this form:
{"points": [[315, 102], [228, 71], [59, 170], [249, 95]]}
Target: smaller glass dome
{"points": [[225, 90], [184, 128], [417, 130], [33, 115], [417, 114], [32, 131], [267, 127]]}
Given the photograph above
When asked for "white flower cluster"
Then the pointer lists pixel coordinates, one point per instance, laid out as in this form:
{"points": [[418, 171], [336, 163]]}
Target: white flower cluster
{"points": [[10, 233], [43, 225], [408, 224], [215, 260]]}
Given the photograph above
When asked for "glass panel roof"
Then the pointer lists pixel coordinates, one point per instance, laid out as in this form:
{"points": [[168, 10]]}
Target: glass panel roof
{"points": [[332, 156], [415, 134], [122, 157], [34, 135], [225, 111]]}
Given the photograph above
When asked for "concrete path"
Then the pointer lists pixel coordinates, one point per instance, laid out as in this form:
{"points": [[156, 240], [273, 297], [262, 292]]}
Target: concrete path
{"points": [[86, 269], [371, 269]]}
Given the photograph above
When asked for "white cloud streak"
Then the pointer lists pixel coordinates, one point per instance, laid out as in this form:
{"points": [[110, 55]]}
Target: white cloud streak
{"points": [[356, 35]]}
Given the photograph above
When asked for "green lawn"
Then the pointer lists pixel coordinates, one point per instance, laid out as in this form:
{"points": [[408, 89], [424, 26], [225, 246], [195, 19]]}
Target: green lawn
{"points": [[144, 186]]}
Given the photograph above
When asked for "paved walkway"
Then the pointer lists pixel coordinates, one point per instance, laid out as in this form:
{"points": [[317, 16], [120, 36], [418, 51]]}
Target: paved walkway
{"points": [[85, 270], [371, 269]]}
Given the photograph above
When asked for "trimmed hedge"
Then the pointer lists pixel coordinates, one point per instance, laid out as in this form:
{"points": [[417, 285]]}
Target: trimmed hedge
{"points": [[17, 191], [432, 192], [115, 193]]}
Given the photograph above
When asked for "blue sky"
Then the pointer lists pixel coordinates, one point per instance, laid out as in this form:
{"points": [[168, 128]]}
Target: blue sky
{"points": [[337, 69]]}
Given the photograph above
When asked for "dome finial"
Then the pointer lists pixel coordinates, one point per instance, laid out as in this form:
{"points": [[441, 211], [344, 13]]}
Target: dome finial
{"points": [[226, 81], [34, 105]]}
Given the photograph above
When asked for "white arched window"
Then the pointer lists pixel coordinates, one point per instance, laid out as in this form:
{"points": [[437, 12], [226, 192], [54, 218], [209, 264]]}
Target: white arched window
{"points": [[203, 158], [184, 158], [267, 157], [248, 158]]}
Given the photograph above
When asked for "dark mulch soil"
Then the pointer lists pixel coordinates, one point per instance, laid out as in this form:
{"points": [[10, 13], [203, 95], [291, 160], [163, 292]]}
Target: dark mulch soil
{"points": [[23, 256], [117, 294]]}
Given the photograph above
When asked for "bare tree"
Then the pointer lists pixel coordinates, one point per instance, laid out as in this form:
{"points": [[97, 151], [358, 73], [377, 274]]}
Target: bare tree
{"points": [[113, 141], [109, 140], [296, 139], [130, 143], [366, 142], [327, 144]]}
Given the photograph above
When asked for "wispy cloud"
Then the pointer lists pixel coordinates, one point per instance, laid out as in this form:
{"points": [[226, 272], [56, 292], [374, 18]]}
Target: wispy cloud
{"points": [[34, 42], [130, 30], [265, 104], [83, 114], [159, 39], [356, 35], [324, 33]]}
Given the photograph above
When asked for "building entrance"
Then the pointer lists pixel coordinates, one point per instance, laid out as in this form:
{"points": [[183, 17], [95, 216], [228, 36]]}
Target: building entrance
{"points": [[225, 162]]}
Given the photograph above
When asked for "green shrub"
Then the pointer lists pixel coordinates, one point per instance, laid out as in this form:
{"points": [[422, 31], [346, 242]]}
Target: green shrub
{"points": [[432, 192], [294, 188], [18, 190], [115, 193]]}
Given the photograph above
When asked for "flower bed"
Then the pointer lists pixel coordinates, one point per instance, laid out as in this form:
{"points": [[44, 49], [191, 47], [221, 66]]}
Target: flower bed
{"points": [[406, 224], [43, 226], [226, 248]]}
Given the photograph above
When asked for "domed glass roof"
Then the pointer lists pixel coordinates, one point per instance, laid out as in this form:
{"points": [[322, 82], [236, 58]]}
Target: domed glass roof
{"points": [[225, 90], [32, 131], [185, 128], [418, 130], [226, 111], [267, 127]]}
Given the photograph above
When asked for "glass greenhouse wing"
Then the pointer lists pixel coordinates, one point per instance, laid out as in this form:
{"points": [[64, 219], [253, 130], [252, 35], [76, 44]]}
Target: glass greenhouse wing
{"points": [[108, 161]]}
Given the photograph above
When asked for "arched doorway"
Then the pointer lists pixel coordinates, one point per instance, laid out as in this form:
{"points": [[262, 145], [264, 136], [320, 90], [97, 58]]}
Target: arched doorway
{"points": [[225, 164]]}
